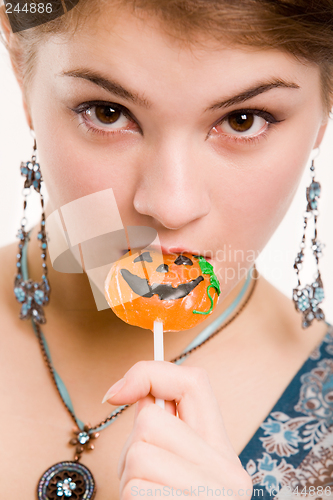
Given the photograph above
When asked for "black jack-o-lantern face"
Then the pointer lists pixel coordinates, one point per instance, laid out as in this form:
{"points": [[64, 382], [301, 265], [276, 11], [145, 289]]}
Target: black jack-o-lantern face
{"points": [[165, 291], [144, 287]]}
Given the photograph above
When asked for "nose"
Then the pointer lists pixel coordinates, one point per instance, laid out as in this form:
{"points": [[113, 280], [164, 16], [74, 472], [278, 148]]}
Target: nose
{"points": [[172, 188]]}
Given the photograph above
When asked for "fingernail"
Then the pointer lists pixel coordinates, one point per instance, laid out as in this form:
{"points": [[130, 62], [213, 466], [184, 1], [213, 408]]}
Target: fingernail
{"points": [[114, 389]]}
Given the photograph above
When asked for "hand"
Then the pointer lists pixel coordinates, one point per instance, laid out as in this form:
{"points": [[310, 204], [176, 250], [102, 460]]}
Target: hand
{"points": [[191, 453]]}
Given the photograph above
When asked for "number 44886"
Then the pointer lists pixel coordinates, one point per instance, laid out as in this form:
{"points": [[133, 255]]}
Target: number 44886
{"points": [[313, 491]]}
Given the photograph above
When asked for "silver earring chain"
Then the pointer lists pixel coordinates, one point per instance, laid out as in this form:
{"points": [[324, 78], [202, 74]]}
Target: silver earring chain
{"points": [[307, 299], [32, 295]]}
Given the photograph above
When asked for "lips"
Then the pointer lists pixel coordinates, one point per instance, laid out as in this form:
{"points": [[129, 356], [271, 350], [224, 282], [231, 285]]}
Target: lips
{"points": [[171, 251], [177, 250]]}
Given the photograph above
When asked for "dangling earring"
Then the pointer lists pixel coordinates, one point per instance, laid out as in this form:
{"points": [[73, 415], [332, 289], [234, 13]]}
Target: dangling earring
{"points": [[307, 299], [32, 295]]}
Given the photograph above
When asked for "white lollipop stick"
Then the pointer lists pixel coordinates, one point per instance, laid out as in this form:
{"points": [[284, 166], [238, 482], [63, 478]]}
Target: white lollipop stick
{"points": [[158, 351]]}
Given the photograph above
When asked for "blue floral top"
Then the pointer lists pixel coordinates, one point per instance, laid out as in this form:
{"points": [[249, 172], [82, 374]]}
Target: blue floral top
{"points": [[292, 451]]}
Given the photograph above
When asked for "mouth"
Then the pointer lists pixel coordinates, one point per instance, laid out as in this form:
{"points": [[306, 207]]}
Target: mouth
{"points": [[170, 251], [178, 250], [192, 252]]}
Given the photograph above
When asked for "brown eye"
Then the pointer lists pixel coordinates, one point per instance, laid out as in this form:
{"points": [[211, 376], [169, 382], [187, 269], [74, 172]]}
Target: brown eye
{"points": [[107, 114], [244, 123], [241, 122]]}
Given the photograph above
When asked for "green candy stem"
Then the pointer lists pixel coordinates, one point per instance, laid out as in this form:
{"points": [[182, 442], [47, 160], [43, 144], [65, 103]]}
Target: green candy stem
{"points": [[211, 303], [207, 268]]}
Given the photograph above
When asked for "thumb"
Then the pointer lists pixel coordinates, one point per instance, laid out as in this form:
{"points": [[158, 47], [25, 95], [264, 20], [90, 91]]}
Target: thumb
{"points": [[170, 406]]}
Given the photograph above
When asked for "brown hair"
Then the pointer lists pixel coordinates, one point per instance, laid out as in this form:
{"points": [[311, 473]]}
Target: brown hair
{"points": [[304, 28]]}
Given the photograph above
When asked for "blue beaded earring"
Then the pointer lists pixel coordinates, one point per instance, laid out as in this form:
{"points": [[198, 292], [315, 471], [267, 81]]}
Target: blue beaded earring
{"points": [[307, 299], [32, 295]]}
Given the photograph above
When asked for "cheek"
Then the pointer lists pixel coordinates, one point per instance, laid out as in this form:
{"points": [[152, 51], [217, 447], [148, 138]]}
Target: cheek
{"points": [[255, 191]]}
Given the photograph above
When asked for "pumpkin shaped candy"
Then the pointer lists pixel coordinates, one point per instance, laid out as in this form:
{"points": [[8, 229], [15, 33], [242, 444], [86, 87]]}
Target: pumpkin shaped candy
{"points": [[177, 290]]}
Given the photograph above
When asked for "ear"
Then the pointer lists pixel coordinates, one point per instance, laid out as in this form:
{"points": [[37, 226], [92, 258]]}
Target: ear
{"points": [[13, 50], [321, 134]]}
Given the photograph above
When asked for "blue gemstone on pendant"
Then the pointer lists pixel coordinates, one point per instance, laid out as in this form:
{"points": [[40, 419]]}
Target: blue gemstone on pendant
{"points": [[25, 309], [319, 294], [37, 175], [313, 204], [83, 437], [65, 487], [44, 245], [40, 236], [314, 191], [20, 294], [303, 303], [58, 482], [39, 296]]}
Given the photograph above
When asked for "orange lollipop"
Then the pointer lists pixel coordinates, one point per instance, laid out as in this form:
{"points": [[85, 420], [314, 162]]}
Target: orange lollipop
{"points": [[144, 287]]}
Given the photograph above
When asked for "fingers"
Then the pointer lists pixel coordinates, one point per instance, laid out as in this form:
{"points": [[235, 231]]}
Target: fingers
{"points": [[153, 464], [170, 406], [189, 387], [142, 489], [164, 430]]}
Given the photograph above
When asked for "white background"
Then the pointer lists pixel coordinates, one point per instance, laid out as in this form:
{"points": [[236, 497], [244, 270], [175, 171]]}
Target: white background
{"points": [[275, 262]]}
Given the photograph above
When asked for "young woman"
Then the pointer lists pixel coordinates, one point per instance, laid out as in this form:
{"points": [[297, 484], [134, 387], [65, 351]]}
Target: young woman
{"points": [[201, 117]]}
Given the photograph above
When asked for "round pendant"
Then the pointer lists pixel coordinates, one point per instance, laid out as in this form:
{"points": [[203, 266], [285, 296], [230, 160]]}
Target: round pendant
{"points": [[66, 480]]}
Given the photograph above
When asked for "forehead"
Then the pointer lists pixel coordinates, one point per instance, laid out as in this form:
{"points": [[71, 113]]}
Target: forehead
{"points": [[139, 53]]}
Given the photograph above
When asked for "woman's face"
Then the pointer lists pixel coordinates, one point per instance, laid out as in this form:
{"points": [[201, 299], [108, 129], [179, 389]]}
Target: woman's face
{"points": [[205, 145]]}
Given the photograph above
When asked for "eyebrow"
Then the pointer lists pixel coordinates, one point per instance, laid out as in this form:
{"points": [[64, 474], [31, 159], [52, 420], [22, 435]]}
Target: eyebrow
{"points": [[115, 88], [257, 89], [110, 85]]}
